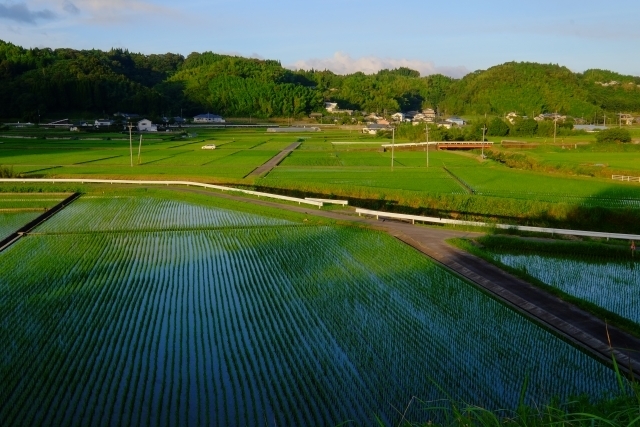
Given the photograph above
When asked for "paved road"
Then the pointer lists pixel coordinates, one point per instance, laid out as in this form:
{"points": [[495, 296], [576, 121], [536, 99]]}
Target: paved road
{"points": [[563, 318], [265, 168]]}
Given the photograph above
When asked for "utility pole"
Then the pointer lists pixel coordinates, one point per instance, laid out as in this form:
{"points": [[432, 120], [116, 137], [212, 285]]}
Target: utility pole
{"points": [[555, 123], [393, 142], [139, 149], [484, 129], [130, 143], [427, 131]]}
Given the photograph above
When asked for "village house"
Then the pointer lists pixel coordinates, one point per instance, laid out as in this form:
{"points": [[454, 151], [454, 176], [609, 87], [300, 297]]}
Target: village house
{"points": [[429, 115], [332, 107], [550, 116], [103, 122], [419, 117], [373, 129], [512, 117], [626, 119], [126, 116], [445, 124], [208, 118], [455, 120], [398, 117], [145, 125]]}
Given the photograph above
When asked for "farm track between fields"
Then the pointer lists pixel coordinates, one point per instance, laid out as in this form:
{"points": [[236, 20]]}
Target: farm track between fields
{"points": [[564, 319], [274, 161]]}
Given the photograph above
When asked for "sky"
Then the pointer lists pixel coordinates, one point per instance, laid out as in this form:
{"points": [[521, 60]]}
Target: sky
{"points": [[345, 36]]}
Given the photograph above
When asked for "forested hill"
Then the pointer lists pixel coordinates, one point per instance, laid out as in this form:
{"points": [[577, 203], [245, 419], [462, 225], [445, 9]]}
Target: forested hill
{"points": [[53, 83]]}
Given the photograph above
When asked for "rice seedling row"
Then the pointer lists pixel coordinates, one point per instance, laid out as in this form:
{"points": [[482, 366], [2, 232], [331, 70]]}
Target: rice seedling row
{"points": [[10, 222], [614, 286], [145, 214]]}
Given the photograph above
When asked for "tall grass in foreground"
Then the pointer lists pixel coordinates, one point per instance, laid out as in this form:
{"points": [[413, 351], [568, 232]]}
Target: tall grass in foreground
{"points": [[622, 410]]}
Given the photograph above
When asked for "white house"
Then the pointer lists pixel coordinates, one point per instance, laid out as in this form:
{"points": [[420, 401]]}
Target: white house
{"points": [[208, 118], [374, 129], [145, 125], [512, 117], [398, 117], [626, 119], [331, 106], [429, 115]]}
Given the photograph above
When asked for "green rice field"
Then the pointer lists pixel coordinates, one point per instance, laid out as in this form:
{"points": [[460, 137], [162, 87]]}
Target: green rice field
{"points": [[159, 310], [10, 222], [614, 286], [18, 209]]}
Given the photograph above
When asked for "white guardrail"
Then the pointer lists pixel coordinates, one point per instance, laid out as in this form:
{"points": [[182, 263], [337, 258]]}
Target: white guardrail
{"points": [[317, 203], [411, 144], [329, 201], [626, 178], [414, 218]]}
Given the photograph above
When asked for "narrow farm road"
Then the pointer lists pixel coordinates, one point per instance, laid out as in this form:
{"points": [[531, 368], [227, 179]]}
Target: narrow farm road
{"points": [[583, 329], [274, 161]]}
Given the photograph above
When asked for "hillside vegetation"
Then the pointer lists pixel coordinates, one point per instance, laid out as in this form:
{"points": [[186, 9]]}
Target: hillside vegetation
{"points": [[38, 83]]}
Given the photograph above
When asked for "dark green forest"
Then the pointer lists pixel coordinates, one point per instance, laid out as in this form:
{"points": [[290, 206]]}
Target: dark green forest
{"points": [[66, 82]]}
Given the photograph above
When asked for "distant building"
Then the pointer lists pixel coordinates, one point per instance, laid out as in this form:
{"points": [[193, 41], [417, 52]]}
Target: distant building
{"points": [[126, 116], [550, 116], [626, 119], [373, 129], [512, 117], [429, 115], [103, 122], [398, 117], [145, 125], [589, 128], [331, 106], [208, 118], [455, 120], [294, 129]]}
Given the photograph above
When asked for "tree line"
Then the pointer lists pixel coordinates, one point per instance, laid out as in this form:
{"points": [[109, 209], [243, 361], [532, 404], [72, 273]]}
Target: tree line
{"points": [[54, 82]]}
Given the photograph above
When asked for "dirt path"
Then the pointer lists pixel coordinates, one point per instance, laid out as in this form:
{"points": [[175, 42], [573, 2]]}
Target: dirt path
{"points": [[583, 329], [265, 168]]}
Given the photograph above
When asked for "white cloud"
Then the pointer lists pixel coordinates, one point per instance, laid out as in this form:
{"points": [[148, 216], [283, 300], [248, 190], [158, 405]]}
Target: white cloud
{"points": [[342, 63]]}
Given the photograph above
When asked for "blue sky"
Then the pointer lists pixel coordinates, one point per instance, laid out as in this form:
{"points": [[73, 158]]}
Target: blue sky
{"points": [[344, 35]]}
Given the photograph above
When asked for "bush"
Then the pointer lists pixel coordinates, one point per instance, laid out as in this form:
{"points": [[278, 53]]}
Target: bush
{"points": [[6, 172], [525, 127], [618, 135]]}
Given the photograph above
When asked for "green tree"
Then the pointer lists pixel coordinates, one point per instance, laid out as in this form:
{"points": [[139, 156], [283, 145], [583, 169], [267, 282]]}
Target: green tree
{"points": [[497, 127]]}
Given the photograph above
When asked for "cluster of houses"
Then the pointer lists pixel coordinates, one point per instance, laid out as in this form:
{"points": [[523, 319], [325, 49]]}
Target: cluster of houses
{"points": [[623, 119], [376, 123], [136, 122]]}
